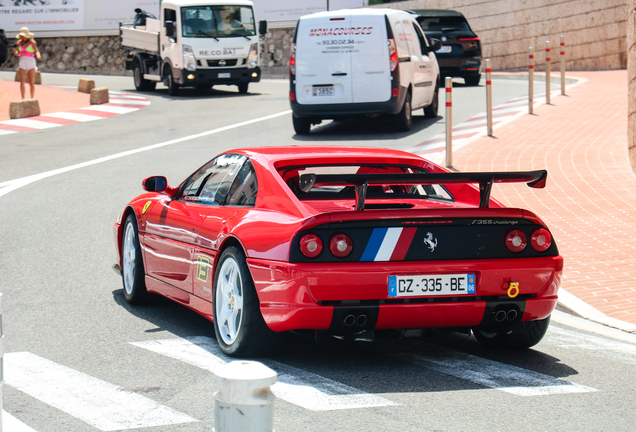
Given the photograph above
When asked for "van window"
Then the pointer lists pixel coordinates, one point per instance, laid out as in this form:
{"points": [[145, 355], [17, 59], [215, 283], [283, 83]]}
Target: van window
{"points": [[400, 39], [422, 40]]}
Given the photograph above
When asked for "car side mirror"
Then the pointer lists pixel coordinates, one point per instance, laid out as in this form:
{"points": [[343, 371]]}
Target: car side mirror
{"points": [[169, 27], [262, 27], [434, 44], [155, 184]]}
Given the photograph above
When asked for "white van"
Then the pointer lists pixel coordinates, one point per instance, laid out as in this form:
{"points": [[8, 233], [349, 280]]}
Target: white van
{"points": [[362, 62]]}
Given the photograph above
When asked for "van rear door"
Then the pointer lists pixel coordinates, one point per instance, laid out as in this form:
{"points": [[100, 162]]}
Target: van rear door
{"points": [[370, 59], [323, 60]]}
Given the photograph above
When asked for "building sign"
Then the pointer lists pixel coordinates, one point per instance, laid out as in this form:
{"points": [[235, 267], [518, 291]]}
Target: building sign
{"points": [[41, 14]]}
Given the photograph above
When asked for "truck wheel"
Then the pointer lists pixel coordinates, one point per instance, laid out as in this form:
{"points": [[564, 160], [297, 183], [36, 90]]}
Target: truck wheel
{"points": [[141, 84], [242, 87], [173, 87], [302, 125], [431, 110], [472, 80], [404, 119]]}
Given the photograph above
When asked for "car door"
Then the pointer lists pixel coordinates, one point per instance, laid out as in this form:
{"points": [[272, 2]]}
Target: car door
{"points": [[370, 63], [323, 60], [427, 67], [228, 190], [420, 62]]}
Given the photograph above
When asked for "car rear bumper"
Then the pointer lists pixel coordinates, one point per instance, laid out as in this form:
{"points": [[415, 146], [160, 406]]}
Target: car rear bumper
{"points": [[212, 76], [460, 67], [331, 111], [323, 296]]}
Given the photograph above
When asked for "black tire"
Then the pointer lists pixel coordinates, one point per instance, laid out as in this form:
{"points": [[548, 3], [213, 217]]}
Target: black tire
{"points": [[472, 80], [517, 336], [242, 87], [404, 119], [302, 125], [141, 84], [431, 110], [173, 87], [242, 333], [132, 272]]}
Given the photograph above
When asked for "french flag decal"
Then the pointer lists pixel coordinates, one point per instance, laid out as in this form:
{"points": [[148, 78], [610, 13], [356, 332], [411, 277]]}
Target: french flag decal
{"points": [[388, 244]]}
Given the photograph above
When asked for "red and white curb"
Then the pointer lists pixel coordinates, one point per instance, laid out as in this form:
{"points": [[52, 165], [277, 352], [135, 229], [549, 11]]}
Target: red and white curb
{"points": [[119, 103]]}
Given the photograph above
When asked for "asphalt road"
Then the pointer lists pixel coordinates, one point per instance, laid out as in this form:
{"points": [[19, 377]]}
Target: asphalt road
{"points": [[78, 358]]}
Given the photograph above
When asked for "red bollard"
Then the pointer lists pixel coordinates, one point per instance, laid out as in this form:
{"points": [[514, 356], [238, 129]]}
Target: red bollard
{"points": [[531, 81], [547, 72], [562, 66], [448, 83], [489, 97]]}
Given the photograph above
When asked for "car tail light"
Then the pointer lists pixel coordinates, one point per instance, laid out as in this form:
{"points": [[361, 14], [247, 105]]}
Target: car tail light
{"points": [[292, 60], [310, 245], [470, 43], [516, 241], [396, 91], [340, 245], [393, 56], [292, 96], [541, 240]]}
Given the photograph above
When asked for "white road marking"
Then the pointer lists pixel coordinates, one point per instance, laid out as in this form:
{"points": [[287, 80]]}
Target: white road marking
{"points": [[74, 116], [12, 424], [496, 375], [124, 101], [101, 404], [11, 185], [296, 386], [596, 346], [33, 124], [109, 109], [6, 132]]}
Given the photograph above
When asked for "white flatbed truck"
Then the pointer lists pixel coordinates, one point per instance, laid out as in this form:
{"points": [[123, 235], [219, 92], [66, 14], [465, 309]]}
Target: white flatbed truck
{"points": [[195, 43]]}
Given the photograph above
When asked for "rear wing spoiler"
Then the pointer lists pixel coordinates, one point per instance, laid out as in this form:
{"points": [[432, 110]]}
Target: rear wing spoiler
{"points": [[534, 179]]}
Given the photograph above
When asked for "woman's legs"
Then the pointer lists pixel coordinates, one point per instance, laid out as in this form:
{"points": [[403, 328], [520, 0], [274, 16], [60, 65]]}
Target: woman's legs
{"points": [[31, 74], [22, 73]]}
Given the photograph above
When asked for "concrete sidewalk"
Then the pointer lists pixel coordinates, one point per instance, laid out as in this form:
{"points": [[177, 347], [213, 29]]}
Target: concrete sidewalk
{"points": [[588, 204]]}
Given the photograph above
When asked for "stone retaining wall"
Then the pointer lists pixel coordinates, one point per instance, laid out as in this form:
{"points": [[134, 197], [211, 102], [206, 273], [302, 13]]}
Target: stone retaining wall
{"points": [[594, 30], [89, 55]]}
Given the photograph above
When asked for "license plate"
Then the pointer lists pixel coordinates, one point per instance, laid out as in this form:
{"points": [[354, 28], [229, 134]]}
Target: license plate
{"points": [[445, 49], [225, 75], [432, 285], [323, 91]]}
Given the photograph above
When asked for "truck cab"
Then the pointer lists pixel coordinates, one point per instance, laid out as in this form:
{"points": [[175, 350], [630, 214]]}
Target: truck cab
{"points": [[195, 43]]}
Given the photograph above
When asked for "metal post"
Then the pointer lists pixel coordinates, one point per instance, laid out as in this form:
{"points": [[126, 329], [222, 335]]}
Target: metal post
{"points": [[547, 72], [448, 84], [531, 81], [562, 66], [489, 97], [244, 401]]}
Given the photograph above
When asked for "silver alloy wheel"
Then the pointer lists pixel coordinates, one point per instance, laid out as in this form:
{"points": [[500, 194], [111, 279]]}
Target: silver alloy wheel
{"points": [[129, 255], [229, 301], [137, 76]]}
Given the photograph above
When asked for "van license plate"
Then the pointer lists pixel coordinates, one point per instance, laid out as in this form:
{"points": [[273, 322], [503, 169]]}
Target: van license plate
{"points": [[225, 75], [432, 285], [445, 49], [323, 91]]}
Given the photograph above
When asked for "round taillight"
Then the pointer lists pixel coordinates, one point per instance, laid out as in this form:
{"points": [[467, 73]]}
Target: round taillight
{"points": [[340, 245], [516, 241], [310, 245], [541, 240]]}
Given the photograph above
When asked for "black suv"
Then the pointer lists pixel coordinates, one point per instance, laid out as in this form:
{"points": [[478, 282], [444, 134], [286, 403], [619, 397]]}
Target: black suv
{"points": [[460, 54]]}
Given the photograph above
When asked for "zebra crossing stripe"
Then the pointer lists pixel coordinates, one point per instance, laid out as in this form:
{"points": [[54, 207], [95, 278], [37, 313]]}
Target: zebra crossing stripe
{"points": [[496, 375], [296, 386], [100, 404], [12, 424]]}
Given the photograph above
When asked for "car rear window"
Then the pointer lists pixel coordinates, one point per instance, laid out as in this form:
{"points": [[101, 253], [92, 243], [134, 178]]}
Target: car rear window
{"points": [[391, 190], [443, 23]]}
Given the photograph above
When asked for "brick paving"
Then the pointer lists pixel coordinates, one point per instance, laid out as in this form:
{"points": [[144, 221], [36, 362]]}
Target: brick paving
{"points": [[581, 139]]}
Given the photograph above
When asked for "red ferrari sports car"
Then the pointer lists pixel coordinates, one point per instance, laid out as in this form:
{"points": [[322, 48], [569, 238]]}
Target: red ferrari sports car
{"points": [[342, 240]]}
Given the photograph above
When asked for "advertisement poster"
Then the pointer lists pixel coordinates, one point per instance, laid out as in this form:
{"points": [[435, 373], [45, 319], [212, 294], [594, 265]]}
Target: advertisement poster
{"points": [[41, 14], [284, 10], [108, 14]]}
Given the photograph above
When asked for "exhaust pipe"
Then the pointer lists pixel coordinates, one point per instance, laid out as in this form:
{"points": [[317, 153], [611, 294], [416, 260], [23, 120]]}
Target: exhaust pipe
{"points": [[349, 320], [500, 316], [511, 315], [361, 320]]}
